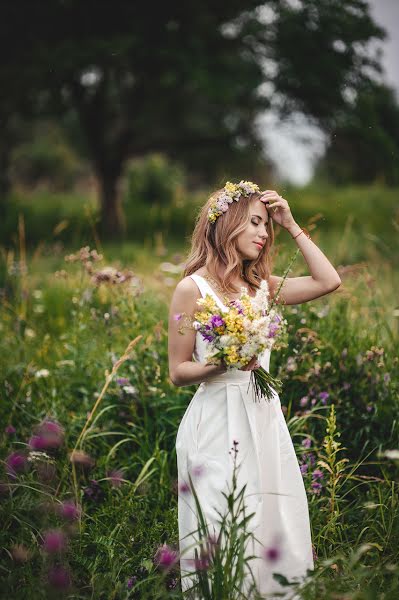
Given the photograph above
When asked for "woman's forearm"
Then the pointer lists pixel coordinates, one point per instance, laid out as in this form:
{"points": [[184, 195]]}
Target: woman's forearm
{"points": [[189, 372], [319, 266]]}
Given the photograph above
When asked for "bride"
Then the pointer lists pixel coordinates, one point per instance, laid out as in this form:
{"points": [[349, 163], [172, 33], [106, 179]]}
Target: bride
{"points": [[231, 247]]}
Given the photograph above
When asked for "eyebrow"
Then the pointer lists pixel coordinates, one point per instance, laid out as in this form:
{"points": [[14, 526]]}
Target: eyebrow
{"points": [[259, 217]]}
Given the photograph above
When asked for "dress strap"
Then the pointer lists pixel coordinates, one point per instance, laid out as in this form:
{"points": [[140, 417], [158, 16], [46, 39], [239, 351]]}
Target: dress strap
{"points": [[205, 288]]}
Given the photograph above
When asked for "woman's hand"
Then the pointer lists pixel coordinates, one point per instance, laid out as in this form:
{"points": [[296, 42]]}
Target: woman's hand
{"points": [[281, 213], [253, 364]]}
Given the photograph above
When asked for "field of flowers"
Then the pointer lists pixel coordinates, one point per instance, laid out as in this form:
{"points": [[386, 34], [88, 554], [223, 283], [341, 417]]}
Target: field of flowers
{"points": [[88, 490]]}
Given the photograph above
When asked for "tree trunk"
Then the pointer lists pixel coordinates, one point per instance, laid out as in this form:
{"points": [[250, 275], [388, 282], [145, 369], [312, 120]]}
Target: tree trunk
{"points": [[112, 224]]}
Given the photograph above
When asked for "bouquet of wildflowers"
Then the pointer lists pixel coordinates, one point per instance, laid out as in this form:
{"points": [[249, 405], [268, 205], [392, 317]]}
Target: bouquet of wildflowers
{"points": [[235, 336]]}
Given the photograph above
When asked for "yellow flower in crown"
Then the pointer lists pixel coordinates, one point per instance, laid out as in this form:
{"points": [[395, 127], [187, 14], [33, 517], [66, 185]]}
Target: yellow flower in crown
{"points": [[231, 192]]}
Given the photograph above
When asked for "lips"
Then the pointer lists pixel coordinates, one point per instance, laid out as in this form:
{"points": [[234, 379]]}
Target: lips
{"points": [[258, 244]]}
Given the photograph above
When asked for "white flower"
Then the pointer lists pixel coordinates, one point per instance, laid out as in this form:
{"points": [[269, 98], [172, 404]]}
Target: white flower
{"points": [[42, 373], [129, 389], [392, 454]]}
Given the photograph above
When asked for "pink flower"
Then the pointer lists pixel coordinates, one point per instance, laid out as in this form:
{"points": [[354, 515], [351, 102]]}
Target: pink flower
{"points": [[10, 429], [317, 474], [303, 401], [177, 316], [54, 541], [307, 442], [165, 557]]}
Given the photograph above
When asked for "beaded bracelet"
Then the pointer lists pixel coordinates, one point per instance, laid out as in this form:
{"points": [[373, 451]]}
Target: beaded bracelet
{"points": [[303, 230]]}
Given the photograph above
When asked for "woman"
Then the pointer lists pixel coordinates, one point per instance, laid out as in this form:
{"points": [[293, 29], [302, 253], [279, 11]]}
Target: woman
{"points": [[231, 247]]}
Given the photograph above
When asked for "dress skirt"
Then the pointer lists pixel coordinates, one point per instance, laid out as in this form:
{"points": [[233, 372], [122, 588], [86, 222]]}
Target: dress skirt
{"points": [[221, 412]]}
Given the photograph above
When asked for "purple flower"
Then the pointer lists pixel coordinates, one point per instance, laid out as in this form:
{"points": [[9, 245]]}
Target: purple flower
{"points": [[177, 316], [165, 556], [307, 442], [346, 385], [316, 487], [122, 381], [69, 510], [10, 429], [184, 488], [369, 407], [16, 462], [93, 491], [317, 474], [49, 434], [309, 456], [272, 554], [304, 468], [59, 577], [131, 582], [217, 321], [387, 378], [54, 541], [323, 397]]}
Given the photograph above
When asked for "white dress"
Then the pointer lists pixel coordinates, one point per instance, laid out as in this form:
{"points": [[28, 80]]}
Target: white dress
{"points": [[222, 410]]}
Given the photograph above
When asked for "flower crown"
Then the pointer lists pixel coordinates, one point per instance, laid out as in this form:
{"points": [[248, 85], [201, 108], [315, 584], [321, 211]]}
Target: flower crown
{"points": [[230, 192]]}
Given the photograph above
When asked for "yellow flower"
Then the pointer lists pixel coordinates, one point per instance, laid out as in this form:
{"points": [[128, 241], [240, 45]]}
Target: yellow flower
{"points": [[230, 188]]}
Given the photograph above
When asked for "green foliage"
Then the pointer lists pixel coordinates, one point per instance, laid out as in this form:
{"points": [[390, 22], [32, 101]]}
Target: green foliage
{"points": [[62, 334]]}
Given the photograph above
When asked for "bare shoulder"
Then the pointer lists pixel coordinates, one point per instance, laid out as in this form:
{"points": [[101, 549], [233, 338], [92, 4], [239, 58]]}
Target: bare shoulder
{"points": [[186, 292], [187, 288]]}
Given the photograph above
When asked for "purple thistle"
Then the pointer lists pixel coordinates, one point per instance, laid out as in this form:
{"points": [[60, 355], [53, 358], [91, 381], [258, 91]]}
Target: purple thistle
{"points": [[10, 429], [16, 462], [54, 541], [69, 510], [59, 577], [165, 557], [49, 434], [317, 474]]}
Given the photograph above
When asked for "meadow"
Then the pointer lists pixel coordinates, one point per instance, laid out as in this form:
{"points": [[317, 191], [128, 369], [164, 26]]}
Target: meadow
{"points": [[89, 415]]}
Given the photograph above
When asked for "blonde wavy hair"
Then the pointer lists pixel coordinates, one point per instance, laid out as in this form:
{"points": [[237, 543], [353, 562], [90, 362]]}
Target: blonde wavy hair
{"points": [[215, 244]]}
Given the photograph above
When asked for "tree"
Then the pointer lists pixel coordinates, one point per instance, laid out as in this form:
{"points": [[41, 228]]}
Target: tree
{"points": [[364, 143], [185, 78]]}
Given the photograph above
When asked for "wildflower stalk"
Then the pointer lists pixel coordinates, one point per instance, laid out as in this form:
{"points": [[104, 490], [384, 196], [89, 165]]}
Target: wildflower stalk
{"points": [[264, 384], [335, 467], [108, 379]]}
